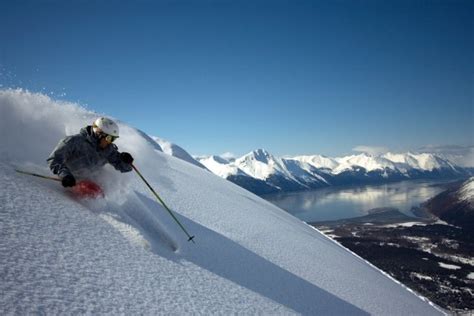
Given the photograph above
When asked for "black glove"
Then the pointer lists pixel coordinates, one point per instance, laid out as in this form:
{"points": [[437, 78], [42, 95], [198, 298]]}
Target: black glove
{"points": [[126, 157], [68, 181]]}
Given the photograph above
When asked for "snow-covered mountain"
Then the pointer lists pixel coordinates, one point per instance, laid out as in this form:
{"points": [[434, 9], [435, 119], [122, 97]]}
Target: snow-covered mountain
{"points": [[221, 167], [318, 161], [125, 255], [277, 172], [305, 172], [462, 156], [423, 161]]}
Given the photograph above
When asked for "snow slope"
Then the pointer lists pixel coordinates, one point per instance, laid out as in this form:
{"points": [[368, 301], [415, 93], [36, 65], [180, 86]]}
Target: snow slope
{"points": [[318, 161], [176, 151], [422, 161], [221, 167], [260, 164], [124, 254], [370, 163]]}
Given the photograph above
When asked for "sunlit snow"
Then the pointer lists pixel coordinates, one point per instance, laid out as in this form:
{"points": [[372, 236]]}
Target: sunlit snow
{"points": [[449, 266], [125, 255]]}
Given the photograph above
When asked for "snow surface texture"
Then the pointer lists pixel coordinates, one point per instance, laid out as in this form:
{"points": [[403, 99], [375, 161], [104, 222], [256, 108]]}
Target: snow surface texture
{"points": [[124, 254]]}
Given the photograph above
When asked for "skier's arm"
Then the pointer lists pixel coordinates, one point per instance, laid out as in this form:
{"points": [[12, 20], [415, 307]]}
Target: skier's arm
{"points": [[59, 156], [115, 159]]}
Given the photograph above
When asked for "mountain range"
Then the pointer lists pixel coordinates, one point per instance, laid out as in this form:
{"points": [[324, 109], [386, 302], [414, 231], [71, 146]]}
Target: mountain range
{"points": [[261, 172]]}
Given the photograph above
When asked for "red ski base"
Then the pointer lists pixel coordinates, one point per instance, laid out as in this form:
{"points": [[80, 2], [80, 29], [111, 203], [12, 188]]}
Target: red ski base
{"points": [[87, 189]]}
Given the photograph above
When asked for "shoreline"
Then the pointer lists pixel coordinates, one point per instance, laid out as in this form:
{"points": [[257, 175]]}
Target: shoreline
{"points": [[429, 256]]}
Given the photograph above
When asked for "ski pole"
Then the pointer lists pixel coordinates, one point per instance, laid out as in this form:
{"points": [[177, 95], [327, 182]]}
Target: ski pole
{"points": [[190, 238], [37, 175]]}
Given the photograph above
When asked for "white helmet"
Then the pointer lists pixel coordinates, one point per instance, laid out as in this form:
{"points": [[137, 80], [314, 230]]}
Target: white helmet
{"points": [[106, 126]]}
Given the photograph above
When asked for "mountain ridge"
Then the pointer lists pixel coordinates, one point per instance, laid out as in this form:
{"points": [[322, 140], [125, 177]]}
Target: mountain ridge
{"points": [[314, 171]]}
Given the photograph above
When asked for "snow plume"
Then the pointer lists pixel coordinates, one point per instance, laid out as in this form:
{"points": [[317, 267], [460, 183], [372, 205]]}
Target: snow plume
{"points": [[371, 150], [32, 125]]}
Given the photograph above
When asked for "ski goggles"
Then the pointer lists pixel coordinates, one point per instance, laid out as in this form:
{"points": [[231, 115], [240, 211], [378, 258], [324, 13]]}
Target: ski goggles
{"points": [[108, 138]]}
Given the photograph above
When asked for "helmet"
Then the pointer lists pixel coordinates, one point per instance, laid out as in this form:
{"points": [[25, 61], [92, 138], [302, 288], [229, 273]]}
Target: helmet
{"points": [[107, 126]]}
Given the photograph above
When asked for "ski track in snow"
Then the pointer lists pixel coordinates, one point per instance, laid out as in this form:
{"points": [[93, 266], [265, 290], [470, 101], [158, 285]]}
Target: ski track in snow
{"points": [[71, 261]]}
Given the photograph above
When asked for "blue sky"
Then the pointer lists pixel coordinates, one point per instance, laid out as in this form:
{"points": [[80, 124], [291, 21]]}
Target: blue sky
{"points": [[293, 77]]}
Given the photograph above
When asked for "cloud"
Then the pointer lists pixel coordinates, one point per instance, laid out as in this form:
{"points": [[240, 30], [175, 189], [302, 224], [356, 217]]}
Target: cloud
{"points": [[371, 150], [228, 155]]}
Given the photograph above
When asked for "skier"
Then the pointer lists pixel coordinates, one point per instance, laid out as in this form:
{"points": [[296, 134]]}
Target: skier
{"points": [[81, 154]]}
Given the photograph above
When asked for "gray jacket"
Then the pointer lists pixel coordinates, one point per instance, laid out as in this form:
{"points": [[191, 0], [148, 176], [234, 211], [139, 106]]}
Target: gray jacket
{"points": [[80, 154]]}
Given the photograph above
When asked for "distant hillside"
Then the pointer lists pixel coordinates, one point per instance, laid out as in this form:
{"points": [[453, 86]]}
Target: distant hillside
{"points": [[455, 205]]}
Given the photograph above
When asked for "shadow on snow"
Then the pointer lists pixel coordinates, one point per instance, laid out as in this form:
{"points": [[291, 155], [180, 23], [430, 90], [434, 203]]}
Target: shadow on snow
{"points": [[227, 259]]}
